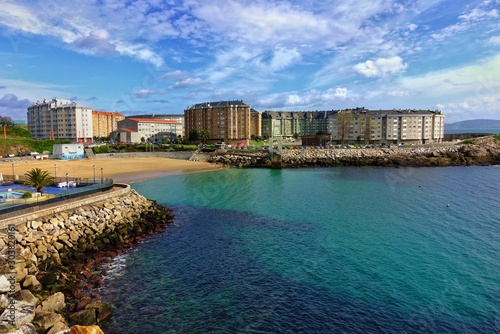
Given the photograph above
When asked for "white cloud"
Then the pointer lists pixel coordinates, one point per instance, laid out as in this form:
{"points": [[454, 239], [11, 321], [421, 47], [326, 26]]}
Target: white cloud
{"points": [[189, 82], [478, 14], [380, 67], [309, 99], [494, 40], [81, 33], [465, 90], [265, 22]]}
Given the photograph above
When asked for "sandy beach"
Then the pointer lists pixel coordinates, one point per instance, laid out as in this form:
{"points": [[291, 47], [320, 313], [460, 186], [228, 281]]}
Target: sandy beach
{"points": [[121, 170]]}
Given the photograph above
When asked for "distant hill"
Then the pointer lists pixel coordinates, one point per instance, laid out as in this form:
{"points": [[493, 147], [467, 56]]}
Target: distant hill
{"points": [[474, 124]]}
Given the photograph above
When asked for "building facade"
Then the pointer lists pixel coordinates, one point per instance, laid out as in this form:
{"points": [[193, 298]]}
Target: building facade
{"points": [[105, 122], [294, 123], [172, 117], [137, 130], [225, 121], [386, 126], [60, 119]]}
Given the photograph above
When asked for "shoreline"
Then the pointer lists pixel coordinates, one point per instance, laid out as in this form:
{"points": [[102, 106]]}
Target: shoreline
{"points": [[121, 170]]}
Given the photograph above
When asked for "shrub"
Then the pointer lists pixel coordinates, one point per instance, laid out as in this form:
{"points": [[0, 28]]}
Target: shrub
{"points": [[26, 194]]}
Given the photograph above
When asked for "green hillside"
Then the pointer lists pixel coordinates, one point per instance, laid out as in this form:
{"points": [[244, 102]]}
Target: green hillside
{"points": [[17, 140]]}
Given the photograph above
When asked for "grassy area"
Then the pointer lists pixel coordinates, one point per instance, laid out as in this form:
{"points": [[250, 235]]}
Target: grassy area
{"points": [[497, 137], [18, 141]]}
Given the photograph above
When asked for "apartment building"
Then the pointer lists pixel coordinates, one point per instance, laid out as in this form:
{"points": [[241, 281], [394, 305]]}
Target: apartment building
{"points": [[227, 121], [60, 119], [289, 123], [137, 130], [171, 117], [386, 126], [105, 122]]}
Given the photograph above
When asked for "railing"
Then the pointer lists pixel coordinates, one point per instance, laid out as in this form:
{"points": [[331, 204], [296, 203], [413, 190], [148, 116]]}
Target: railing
{"points": [[73, 188]]}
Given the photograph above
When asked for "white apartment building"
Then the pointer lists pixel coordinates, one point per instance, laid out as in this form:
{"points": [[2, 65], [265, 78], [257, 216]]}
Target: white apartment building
{"points": [[172, 117], [134, 130], [60, 119]]}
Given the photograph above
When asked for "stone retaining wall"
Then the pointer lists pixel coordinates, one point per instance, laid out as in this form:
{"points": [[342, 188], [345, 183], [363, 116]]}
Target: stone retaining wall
{"points": [[483, 151], [181, 155], [63, 206], [50, 253]]}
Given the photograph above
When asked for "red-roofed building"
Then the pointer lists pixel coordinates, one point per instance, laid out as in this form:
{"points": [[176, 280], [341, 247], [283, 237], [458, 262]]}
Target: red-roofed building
{"points": [[132, 130]]}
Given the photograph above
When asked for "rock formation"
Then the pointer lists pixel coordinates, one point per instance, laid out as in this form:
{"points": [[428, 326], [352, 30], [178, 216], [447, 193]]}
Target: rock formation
{"points": [[480, 151], [46, 263]]}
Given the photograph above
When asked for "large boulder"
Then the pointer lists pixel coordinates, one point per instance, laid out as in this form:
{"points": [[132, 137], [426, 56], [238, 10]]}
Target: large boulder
{"points": [[25, 329], [44, 321], [55, 303], [85, 317], [16, 315], [27, 296]]}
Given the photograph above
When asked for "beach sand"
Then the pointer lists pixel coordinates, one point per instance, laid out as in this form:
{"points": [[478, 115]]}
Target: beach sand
{"points": [[121, 170]]}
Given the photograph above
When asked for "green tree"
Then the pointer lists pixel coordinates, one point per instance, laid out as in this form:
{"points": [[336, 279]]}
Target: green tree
{"points": [[366, 125], [204, 135], [344, 121], [194, 135], [38, 178]]}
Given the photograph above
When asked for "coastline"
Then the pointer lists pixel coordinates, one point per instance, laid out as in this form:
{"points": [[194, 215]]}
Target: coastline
{"points": [[121, 170]]}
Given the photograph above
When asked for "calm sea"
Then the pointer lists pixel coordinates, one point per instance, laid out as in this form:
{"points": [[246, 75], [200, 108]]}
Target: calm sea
{"points": [[342, 250]]}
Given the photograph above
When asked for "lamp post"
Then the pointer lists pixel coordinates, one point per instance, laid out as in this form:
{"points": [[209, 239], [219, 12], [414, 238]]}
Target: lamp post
{"points": [[55, 172], [93, 166], [67, 185], [101, 175], [13, 172]]}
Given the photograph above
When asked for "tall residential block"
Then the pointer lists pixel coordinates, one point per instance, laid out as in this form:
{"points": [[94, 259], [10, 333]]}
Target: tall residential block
{"points": [[105, 122], [228, 121], [60, 119], [386, 126], [290, 123]]}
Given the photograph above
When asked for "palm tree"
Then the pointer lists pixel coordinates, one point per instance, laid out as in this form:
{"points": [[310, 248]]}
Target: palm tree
{"points": [[38, 178], [204, 135]]}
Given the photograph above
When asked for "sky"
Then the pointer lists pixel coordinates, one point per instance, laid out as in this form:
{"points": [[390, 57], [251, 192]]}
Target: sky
{"points": [[162, 56]]}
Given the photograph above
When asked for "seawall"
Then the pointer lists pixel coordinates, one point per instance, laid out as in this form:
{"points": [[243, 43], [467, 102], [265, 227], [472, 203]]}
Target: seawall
{"points": [[47, 259], [481, 151]]}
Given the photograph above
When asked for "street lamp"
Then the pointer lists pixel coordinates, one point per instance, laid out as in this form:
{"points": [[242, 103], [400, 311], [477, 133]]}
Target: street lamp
{"points": [[101, 175], [93, 166], [13, 172], [67, 185], [55, 172]]}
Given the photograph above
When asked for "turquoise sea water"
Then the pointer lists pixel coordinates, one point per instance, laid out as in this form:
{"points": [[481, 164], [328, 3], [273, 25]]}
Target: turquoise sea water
{"points": [[342, 250]]}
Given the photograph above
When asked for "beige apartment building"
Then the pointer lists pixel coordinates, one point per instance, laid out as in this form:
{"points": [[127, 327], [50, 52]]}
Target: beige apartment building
{"points": [[388, 126], [226, 121], [105, 122], [60, 119]]}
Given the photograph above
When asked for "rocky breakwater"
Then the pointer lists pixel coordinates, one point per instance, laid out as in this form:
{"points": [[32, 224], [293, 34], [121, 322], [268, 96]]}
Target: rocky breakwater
{"points": [[48, 265], [480, 151]]}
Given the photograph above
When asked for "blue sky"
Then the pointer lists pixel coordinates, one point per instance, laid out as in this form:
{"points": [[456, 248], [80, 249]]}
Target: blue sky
{"points": [[161, 56]]}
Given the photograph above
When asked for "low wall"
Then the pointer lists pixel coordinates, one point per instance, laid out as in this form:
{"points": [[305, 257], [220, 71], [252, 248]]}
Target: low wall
{"points": [[120, 190], [181, 155]]}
